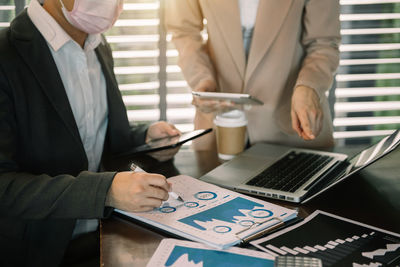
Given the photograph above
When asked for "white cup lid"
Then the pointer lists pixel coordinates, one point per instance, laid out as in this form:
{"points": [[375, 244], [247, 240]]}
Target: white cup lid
{"points": [[234, 118]]}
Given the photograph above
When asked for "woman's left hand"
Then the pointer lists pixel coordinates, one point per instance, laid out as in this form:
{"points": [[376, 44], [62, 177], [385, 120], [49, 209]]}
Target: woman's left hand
{"points": [[306, 112]]}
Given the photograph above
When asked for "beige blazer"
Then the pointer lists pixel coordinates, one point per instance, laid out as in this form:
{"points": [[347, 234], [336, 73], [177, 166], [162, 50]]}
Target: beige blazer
{"points": [[295, 42]]}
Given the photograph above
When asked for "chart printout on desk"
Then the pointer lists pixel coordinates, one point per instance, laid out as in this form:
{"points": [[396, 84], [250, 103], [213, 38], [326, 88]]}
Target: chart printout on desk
{"points": [[212, 215]]}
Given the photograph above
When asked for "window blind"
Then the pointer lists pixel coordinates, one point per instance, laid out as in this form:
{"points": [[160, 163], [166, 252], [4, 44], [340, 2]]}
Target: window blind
{"points": [[150, 81], [368, 80], [7, 12]]}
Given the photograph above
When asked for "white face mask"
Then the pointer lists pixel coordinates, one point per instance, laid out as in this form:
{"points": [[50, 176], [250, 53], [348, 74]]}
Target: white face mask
{"points": [[93, 16]]}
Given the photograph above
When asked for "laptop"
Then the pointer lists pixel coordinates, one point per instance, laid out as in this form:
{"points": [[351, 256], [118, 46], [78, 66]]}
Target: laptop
{"points": [[292, 174]]}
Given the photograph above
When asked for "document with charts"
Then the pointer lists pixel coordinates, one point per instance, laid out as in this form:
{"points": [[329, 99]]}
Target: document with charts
{"points": [[213, 215], [337, 241], [178, 253]]}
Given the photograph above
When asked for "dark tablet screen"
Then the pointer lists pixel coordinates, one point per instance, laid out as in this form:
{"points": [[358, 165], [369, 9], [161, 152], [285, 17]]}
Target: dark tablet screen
{"points": [[169, 142]]}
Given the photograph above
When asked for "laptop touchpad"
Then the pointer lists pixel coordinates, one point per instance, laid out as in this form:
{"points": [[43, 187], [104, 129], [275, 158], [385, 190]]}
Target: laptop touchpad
{"points": [[236, 171]]}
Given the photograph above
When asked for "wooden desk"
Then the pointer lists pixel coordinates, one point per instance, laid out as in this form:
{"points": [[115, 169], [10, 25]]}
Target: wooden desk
{"points": [[371, 197]]}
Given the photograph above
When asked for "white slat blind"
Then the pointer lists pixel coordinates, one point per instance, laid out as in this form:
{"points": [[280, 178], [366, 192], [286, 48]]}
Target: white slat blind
{"points": [[145, 65], [368, 79], [134, 40], [7, 12]]}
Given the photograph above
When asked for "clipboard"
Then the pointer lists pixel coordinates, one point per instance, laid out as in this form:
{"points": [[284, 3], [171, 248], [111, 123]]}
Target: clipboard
{"points": [[241, 241], [212, 215], [245, 99]]}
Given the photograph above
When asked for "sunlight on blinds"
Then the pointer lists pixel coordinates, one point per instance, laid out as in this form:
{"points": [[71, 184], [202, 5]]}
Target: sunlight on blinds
{"points": [[135, 40], [368, 79]]}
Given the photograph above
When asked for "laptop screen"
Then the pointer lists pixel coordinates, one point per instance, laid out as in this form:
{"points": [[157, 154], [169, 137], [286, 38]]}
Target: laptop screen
{"points": [[360, 161], [373, 153]]}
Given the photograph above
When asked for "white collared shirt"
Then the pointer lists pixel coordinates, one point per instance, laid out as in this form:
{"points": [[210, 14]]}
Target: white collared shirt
{"points": [[248, 13], [84, 84]]}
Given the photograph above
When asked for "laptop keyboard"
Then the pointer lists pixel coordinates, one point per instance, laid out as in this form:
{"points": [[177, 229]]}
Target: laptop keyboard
{"points": [[290, 172]]}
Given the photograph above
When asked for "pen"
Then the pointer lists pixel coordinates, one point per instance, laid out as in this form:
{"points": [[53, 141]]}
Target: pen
{"points": [[174, 195]]}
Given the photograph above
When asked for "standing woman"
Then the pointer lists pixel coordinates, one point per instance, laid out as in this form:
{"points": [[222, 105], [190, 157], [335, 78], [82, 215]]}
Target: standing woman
{"points": [[284, 52]]}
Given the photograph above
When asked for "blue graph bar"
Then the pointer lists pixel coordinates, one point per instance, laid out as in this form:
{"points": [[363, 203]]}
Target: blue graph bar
{"points": [[211, 258], [224, 212]]}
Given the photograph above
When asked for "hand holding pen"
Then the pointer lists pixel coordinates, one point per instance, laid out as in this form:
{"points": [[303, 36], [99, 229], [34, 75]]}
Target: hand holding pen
{"points": [[134, 168], [137, 191]]}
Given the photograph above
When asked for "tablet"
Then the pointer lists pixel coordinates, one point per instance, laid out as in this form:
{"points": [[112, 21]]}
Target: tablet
{"points": [[168, 142], [236, 98]]}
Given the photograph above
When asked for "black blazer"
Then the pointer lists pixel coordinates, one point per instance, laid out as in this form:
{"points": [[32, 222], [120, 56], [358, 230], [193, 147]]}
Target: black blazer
{"points": [[44, 185]]}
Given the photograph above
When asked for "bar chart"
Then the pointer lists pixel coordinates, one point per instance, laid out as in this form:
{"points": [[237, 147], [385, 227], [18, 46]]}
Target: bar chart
{"points": [[337, 243]]}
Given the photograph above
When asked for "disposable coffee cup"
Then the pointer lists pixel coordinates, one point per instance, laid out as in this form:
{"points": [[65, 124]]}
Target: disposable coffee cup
{"points": [[231, 133]]}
